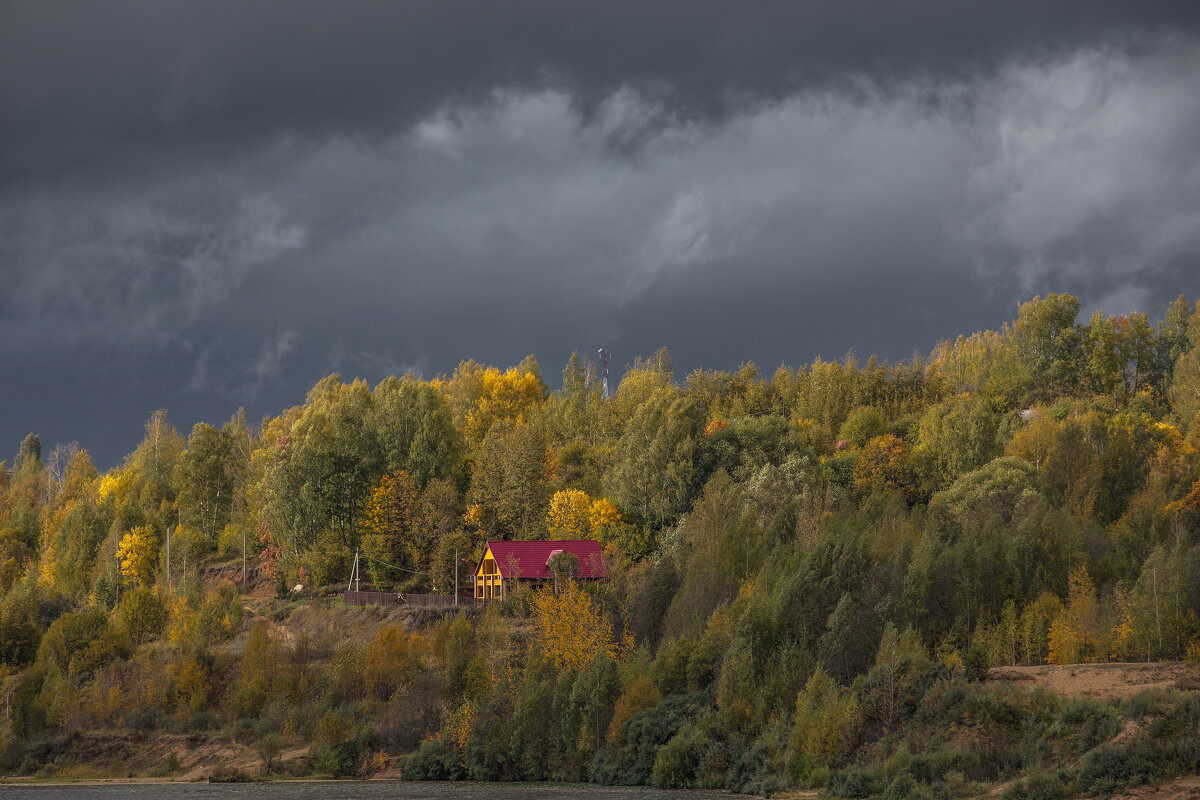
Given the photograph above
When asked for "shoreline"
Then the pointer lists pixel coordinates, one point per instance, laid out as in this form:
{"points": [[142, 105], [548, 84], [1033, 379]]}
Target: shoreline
{"points": [[22, 781]]}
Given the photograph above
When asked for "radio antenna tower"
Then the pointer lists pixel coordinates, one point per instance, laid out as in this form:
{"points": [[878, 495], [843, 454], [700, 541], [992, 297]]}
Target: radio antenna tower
{"points": [[604, 356]]}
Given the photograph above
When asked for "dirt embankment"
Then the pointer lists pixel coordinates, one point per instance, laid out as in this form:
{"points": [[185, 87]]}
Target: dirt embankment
{"points": [[120, 755], [257, 582], [1101, 681]]}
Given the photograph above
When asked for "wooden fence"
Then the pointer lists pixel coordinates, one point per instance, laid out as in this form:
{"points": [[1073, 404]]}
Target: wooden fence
{"points": [[394, 599], [373, 599], [437, 600]]}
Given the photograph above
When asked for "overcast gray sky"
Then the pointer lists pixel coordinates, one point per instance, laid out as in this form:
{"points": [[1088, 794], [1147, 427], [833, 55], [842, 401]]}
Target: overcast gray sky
{"points": [[212, 204]]}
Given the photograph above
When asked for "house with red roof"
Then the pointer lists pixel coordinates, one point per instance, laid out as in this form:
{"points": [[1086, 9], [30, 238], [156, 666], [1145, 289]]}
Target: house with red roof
{"points": [[507, 565]]}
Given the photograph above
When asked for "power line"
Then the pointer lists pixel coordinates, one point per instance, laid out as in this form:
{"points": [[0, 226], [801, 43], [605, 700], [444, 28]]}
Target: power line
{"points": [[393, 566]]}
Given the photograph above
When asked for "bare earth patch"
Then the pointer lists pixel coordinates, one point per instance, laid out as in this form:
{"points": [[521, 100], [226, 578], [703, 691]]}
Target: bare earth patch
{"points": [[1100, 681]]}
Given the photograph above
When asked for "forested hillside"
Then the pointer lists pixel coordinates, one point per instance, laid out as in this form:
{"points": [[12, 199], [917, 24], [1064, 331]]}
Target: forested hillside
{"points": [[810, 571]]}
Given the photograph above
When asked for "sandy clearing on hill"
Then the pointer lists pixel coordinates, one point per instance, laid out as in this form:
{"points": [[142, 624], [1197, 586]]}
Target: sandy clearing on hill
{"points": [[1100, 681]]}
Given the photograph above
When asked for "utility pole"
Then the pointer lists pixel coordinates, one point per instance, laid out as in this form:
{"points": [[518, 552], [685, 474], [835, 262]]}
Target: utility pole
{"points": [[354, 573], [456, 577]]}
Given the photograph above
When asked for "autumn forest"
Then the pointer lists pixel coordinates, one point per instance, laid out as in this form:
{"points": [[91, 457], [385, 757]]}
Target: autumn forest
{"points": [[811, 573]]}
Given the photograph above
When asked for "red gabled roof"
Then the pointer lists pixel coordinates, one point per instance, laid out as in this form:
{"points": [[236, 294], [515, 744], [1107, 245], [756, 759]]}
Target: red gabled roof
{"points": [[530, 558]]}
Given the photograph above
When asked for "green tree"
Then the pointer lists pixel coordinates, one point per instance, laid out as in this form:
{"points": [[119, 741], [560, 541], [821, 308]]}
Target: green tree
{"points": [[1047, 341], [510, 481], [140, 614], [20, 634], [996, 488], [956, 437], [268, 749], [29, 455], [863, 424], [1184, 390], [152, 472], [1104, 368], [416, 430], [260, 661], [438, 511], [317, 473], [653, 476], [575, 408], [77, 643], [455, 548], [338, 745], [824, 727], [210, 473]]}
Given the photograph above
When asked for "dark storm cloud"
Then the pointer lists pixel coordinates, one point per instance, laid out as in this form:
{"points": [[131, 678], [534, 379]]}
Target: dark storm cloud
{"points": [[87, 82], [206, 205]]}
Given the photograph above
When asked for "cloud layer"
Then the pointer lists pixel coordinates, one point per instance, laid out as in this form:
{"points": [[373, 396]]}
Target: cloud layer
{"points": [[232, 229]]}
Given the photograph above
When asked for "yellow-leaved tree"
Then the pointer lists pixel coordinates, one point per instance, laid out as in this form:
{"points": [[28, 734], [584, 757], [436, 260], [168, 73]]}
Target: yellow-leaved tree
{"points": [[574, 515], [571, 629], [638, 696], [1122, 637], [136, 552], [511, 394], [569, 515], [117, 484], [1074, 633], [385, 525], [884, 463], [604, 515]]}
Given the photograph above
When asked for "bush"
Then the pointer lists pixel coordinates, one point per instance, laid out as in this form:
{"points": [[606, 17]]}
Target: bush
{"points": [[862, 424], [1041, 786], [647, 731], [1109, 766], [1095, 721], [676, 763], [975, 664], [760, 769], [144, 719], [229, 775], [140, 614], [338, 745], [932, 767], [1170, 747], [1147, 703], [853, 783], [80, 642], [434, 760], [1183, 721], [902, 788], [230, 540], [199, 722]]}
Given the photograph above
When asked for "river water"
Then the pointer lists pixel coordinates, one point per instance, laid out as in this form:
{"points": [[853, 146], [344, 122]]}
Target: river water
{"points": [[341, 790]]}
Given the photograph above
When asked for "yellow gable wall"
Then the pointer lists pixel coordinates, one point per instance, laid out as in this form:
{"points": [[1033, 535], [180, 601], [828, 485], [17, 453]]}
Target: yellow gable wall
{"points": [[486, 555], [488, 585]]}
